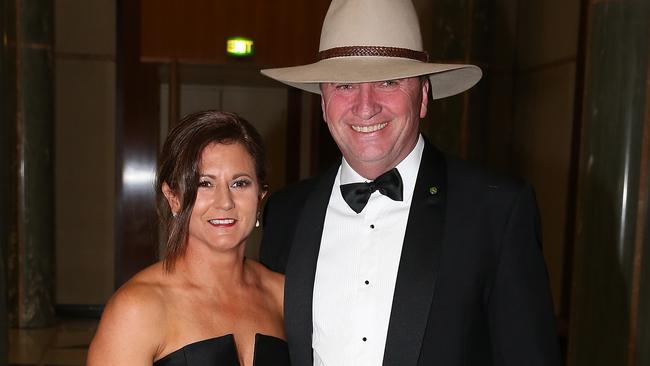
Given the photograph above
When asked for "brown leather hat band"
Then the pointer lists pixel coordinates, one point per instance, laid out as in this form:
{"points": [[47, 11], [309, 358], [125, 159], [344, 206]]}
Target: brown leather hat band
{"points": [[373, 51]]}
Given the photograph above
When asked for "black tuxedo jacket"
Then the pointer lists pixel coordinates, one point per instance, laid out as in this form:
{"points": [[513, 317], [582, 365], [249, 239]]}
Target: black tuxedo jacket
{"points": [[472, 286]]}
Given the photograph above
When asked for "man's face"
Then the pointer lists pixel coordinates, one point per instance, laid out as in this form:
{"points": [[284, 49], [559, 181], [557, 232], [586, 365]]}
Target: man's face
{"points": [[375, 124]]}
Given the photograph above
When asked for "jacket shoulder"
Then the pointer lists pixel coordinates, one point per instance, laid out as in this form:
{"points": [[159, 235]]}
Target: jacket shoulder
{"points": [[471, 177], [294, 193], [281, 215]]}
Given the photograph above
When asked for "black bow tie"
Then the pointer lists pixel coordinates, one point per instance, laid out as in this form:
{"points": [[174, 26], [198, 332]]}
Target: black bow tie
{"points": [[357, 194]]}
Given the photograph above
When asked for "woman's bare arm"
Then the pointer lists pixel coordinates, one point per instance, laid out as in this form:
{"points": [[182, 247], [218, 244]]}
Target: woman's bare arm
{"points": [[131, 331]]}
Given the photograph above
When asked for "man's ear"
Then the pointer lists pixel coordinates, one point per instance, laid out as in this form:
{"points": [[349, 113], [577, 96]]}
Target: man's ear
{"points": [[172, 199], [425, 98], [322, 106]]}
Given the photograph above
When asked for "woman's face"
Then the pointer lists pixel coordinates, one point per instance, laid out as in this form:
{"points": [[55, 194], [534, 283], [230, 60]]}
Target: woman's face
{"points": [[227, 198]]}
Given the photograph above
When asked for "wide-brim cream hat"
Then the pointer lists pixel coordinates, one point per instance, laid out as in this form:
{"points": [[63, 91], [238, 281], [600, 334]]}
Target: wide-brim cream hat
{"points": [[374, 40]]}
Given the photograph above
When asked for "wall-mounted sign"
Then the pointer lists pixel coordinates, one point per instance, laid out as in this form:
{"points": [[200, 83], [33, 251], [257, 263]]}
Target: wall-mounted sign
{"points": [[239, 46]]}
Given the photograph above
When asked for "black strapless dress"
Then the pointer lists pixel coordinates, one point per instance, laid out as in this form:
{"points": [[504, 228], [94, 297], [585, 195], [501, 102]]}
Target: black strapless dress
{"points": [[222, 351]]}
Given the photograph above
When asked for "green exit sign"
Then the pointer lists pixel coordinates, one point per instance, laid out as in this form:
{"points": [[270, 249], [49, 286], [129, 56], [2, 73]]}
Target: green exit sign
{"points": [[239, 46]]}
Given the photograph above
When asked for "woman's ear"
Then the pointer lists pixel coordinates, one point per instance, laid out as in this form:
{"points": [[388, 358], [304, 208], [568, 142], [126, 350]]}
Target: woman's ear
{"points": [[172, 199], [263, 192]]}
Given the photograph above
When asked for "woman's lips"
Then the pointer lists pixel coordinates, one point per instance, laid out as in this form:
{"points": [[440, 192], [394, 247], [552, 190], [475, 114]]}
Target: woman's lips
{"points": [[222, 222]]}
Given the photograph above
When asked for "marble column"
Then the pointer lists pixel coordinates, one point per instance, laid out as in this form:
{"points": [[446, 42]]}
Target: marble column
{"points": [[27, 161], [6, 169], [610, 320]]}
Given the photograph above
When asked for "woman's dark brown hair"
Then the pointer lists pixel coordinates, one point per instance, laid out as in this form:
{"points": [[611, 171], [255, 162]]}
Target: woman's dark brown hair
{"points": [[179, 168]]}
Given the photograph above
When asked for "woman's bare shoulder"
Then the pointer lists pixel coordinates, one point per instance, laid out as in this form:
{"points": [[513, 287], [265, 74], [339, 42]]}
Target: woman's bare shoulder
{"points": [[131, 330], [272, 281], [142, 293]]}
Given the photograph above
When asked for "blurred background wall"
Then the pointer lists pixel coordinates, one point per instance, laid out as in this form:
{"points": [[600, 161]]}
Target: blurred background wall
{"points": [[85, 99], [90, 88]]}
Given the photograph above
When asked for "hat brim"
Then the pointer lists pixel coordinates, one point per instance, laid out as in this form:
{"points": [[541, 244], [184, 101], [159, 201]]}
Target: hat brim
{"points": [[446, 79]]}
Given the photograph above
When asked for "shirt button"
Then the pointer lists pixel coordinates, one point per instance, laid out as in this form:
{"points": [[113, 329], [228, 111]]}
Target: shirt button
{"points": [[364, 339], [366, 282], [372, 226]]}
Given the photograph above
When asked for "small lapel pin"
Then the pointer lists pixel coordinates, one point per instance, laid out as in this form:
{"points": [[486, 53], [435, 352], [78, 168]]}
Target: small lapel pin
{"points": [[433, 190]]}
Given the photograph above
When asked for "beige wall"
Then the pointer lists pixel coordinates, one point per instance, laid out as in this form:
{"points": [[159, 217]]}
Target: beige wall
{"points": [[84, 150]]}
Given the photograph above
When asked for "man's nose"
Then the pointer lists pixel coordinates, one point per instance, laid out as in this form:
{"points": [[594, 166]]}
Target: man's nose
{"points": [[366, 104], [223, 198]]}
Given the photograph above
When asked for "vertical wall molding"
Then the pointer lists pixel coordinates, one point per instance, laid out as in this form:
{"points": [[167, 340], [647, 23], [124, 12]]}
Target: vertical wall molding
{"points": [[137, 141], [573, 178]]}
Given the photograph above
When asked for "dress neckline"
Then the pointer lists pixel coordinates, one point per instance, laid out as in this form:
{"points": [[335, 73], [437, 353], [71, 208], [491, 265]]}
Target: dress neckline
{"points": [[225, 337]]}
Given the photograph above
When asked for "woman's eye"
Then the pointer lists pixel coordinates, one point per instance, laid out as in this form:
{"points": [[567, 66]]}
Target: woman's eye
{"points": [[205, 183], [241, 183]]}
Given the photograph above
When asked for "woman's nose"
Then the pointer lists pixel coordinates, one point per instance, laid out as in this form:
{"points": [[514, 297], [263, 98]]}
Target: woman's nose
{"points": [[366, 104], [223, 198]]}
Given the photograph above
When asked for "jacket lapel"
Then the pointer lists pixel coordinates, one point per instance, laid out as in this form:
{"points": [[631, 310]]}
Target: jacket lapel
{"points": [[418, 266], [301, 270]]}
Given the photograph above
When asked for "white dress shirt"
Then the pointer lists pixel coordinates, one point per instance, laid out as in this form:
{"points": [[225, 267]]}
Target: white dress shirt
{"points": [[357, 270]]}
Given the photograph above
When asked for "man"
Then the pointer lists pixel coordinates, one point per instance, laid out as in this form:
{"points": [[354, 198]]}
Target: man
{"points": [[402, 255]]}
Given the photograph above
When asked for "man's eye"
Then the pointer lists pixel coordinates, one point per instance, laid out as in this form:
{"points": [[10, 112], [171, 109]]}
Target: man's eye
{"points": [[343, 86], [241, 183], [389, 83]]}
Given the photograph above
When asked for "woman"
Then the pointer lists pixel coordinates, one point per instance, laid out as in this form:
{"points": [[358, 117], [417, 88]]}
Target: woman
{"points": [[205, 303]]}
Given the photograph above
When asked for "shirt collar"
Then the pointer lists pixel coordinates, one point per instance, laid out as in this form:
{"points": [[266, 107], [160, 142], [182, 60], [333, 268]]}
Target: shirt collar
{"points": [[408, 169]]}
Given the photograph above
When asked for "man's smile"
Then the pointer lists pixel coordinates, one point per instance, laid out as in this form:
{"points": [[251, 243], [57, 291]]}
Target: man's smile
{"points": [[371, 128]]}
